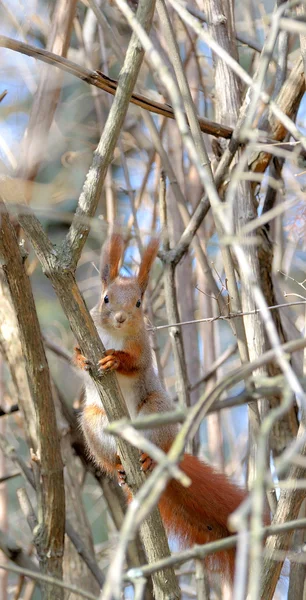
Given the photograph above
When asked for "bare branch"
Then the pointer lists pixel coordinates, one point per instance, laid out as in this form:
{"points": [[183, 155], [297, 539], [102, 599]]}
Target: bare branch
{"points": [[50, 535], [103, 82]]}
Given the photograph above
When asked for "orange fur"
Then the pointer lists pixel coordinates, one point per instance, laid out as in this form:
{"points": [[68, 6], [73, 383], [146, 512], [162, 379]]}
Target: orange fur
{"points": [[124, 362], [79, 360], [111, 257], [199, 514], [92, 412], [148, 258]]}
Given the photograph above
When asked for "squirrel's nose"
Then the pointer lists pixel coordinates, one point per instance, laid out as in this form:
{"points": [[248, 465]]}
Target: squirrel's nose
{"points": [[120, 317]]}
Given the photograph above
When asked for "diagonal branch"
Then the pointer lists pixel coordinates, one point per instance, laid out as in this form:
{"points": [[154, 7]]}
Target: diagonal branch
{"points": [[103, 82]]}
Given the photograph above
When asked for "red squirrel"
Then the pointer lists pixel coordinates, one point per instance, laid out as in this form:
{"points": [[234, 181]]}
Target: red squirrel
{"points": [[199, 513]]}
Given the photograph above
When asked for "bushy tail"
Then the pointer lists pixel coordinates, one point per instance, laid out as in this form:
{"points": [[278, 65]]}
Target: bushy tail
{"points": [[199, 514]]}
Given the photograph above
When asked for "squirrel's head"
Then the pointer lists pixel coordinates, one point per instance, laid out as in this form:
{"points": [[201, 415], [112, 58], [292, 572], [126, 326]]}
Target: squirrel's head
{"points": [[121, 300]]}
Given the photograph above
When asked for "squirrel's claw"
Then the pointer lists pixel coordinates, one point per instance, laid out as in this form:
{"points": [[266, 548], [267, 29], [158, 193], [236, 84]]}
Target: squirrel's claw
{"points": [[120, 472], [109, 362], [146, 462], [81, 361]]}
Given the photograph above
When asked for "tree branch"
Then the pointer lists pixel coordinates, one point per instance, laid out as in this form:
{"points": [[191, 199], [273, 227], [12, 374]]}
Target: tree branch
{"points": [[49, 539], [105, 83]]}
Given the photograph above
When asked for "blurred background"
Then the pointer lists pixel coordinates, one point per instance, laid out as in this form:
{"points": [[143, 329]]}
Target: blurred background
{"points": [[45, 167]]}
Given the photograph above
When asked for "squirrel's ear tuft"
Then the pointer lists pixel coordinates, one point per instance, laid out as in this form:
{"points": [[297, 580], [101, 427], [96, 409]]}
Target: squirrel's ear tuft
{"points": [[148, 258], [111, 255]]}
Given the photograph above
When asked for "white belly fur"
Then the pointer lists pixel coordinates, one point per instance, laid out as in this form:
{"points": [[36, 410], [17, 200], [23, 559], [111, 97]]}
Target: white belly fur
{"points": [[126, 383]]}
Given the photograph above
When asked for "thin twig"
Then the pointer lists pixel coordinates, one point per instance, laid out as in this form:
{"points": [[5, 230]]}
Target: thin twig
{"points": [[48, 580], [229, 316]]}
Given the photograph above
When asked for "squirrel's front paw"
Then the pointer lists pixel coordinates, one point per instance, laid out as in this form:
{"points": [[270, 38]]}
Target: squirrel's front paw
{"points": [[109, 362], [146, 462], [81, 361]]}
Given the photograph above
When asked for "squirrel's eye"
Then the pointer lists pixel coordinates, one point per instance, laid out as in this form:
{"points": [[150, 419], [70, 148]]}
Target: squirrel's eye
{"points": [[106, 299], [138, 303]]}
